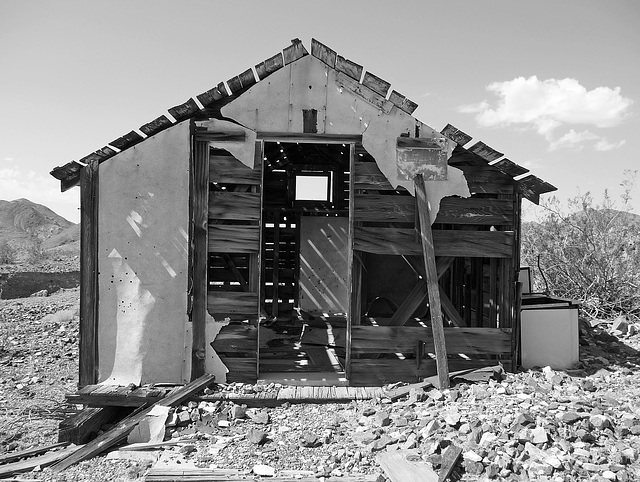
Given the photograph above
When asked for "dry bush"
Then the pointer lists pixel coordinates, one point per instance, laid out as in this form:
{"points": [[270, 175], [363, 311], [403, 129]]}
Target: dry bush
{"points": [[588, 251]]}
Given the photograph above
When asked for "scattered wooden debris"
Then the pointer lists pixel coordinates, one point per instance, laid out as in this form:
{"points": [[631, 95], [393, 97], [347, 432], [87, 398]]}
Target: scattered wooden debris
{"points": [[121, 430], [232, 475], [449, 460], [405, 466], [45, 460], [79, 428]]}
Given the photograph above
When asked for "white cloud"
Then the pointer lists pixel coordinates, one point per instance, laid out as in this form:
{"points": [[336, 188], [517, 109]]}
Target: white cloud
{"points": [[8, 159], [604, 145], [547, 105], [572, 140]]}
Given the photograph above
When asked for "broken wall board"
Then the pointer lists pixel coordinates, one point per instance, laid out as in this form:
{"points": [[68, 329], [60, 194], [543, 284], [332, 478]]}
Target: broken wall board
{"points": [[406, 466], [142, 259]]}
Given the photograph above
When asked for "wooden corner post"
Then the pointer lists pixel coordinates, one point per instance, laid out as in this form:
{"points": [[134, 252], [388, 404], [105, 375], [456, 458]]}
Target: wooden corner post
{"points": [[200, 215], [88, 369], [432, 281]]}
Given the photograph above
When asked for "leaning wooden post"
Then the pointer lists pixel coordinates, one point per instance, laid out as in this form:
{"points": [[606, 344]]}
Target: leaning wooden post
{"points": [[432, 281]]}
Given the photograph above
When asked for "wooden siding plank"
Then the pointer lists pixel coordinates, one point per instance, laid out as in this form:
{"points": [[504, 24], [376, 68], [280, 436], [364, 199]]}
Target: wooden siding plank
{"points": [[236, 338], [155, 126], [184, 110], [231, 302], [269, 66], [375, 83], [376, 208], [88, 370], [227, 169], [323, 53], [199, 212], [403, 339], [369, 177], [225, 238], [456, 135], [243, 206], [487, 180], [490, 212], [456, 243]]}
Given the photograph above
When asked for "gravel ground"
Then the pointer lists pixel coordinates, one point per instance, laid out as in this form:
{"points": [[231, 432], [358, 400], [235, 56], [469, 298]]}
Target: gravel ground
{"points": [[582, 424]]}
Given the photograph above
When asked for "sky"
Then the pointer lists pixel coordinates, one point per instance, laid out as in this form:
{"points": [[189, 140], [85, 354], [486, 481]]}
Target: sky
{"points": [[554, 85]]}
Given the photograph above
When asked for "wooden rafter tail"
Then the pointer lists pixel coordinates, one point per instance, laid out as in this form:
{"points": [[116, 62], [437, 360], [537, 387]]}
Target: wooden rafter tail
{"points": [[269, 66], [294, 51], [510, 168], [184, 110], [155, 126], [323, 53], [485, 152], [432, 281], [456, 135], [349, 68], [375, 83]]}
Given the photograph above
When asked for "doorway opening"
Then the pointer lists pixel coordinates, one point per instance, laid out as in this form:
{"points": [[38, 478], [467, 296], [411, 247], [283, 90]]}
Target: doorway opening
{"points": [[304, 252]]}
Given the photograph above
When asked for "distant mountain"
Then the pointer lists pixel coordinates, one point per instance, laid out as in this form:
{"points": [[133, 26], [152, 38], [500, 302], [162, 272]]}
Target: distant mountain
{"points": [[28, 228]]}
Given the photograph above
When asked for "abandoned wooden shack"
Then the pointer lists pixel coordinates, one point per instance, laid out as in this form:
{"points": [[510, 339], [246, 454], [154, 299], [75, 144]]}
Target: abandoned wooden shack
{"points": [[268, 229]]}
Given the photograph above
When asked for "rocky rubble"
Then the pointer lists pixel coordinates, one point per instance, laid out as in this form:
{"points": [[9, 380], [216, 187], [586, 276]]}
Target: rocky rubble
{"points": [[541, 424]]}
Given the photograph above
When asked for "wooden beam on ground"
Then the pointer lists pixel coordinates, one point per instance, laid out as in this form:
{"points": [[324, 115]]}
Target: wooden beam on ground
{"points": [[405, 466], [88, 372], [22, 466], [199, 254], [120, 431], [79, 428], [12, 457], [449, 459], [432, 281]]}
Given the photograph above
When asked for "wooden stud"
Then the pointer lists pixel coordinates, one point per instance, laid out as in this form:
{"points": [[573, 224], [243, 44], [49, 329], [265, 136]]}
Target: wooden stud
{"points": [[276, 263], [200, 215], [88, 370], [432, 281], [353, 296]]}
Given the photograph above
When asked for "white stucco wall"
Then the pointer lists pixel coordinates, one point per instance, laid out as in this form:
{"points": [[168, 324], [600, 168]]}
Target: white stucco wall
{"points": [[143, 260]]}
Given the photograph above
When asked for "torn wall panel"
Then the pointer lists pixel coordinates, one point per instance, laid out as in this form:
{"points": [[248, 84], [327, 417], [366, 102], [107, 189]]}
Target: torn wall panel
{"points": [[142, 260]]}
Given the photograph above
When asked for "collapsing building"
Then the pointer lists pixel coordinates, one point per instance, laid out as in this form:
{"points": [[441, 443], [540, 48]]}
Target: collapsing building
{"points": [[297, 222]]}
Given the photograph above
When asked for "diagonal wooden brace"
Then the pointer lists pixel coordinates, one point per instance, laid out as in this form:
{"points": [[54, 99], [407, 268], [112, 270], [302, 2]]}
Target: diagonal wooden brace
{"points": [[432, 282]]}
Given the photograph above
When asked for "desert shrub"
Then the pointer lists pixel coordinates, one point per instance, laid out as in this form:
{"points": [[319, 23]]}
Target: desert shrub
{"points": [[7, 253], [588, 251]]}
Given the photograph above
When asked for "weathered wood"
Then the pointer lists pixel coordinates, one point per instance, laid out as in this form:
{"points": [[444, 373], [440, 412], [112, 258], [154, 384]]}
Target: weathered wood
{"points": [[170, 474], [354, 284], [79, 428], [88, 370], [390, 209], [349, 68], [236, 337], [369, 177], [402, 103], [435, 308], [308, 138], [127, 140], [294, 52], [450, 310], [375, 83], [487, 180], [510, 168], [184, 110], [364, 92], [233, 239], [402, 339], [456, 135], [232, 302], [229, 170], [210, 96], [276, 264], [450, 457], [455, 243], [234, 205], [122, 429], [323, 53], [100, 155], [236, 272], [230, 136], [489, 212], [405, 466], [485, 152], [13, 456], [155, 126], [199, 212], [269, 66], [7, 470], [531, 187]]}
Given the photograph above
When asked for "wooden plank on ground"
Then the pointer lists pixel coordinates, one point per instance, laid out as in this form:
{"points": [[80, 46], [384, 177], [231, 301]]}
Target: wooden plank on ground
{"points": [[8, 470], [13, 456], [79, 428], [122, 429], [405, 466], [432, 281], [450, 457]]}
